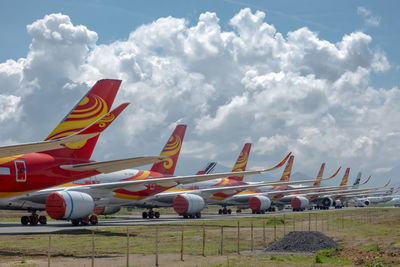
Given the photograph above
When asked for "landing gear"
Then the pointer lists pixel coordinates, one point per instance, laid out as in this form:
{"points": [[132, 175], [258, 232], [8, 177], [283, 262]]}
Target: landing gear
{"points": [[94, 220], [34, 219], [42, 219], [224, 211], [150, 214], [196, 215]]}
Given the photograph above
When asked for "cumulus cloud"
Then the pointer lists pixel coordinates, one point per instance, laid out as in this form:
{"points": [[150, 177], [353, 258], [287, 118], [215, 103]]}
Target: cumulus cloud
{"points": [[284, 92]]}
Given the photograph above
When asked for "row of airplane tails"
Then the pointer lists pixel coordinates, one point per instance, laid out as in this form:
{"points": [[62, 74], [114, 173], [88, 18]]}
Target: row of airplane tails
{"points": [[58, 176]]}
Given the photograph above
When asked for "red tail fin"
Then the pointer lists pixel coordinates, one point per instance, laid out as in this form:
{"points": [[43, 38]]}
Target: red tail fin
{"points": [[241, 162], [319, 176], [345, 177], [288, 169], [84, 149], [94, 105], [171, 150]]}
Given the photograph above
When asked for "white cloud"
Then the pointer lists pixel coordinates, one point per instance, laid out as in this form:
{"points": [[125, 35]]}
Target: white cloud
{"points": [[369, 20], [296, 92]]}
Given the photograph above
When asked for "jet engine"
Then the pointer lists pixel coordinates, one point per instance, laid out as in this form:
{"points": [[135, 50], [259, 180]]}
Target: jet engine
{"points": [[299, 203], [259, 203], [188, 204], [338, 204], [69, 205], [326, 202], [366, 202], [106, 210]]}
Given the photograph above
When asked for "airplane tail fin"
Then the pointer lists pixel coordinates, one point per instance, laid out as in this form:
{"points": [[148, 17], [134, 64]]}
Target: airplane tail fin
{"points": [[357, 181], [288, 169], [241, 162], [319, 176], [94, 105], [84, 149], [345, 177], [207, 169], [171, 150]]}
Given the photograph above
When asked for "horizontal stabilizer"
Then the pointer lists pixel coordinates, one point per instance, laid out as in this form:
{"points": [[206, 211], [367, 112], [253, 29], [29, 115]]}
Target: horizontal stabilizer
{"points": [[113, 165]]}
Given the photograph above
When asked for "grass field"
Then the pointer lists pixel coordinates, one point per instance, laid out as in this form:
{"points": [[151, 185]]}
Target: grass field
{"points": [[368, 237]]}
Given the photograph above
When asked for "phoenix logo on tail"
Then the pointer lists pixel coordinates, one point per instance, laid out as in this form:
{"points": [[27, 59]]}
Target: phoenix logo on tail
{"points": [[319, 176], [171, 150]]}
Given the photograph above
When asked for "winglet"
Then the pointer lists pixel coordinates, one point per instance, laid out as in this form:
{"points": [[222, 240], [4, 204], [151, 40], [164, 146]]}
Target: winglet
{"points": [[333, 175], [387, 183], [366, 181], [280, 164]]}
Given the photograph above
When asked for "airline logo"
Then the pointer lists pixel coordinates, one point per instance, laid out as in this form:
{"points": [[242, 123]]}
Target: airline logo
{"points": [[91, 108], [241, 162], [319, 176], [345, 177], [172, 148]]}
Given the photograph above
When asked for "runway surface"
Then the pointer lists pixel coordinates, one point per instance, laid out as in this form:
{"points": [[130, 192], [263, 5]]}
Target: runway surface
{"points": [[13, 228]]}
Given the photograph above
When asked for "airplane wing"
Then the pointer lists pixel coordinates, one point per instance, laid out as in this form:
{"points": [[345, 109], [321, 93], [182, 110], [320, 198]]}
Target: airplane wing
{"points": [[113, 165], [13, 150], [85, 134]]}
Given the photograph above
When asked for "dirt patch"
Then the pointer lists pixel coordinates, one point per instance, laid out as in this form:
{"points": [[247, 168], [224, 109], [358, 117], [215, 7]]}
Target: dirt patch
{"points": [[364, 258]]}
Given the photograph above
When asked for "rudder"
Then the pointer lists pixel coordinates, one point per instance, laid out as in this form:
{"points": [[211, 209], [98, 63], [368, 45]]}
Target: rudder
{"points": [[171, 150]]}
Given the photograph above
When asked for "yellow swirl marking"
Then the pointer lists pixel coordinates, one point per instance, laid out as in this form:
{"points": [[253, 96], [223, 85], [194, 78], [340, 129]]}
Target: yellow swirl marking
{"points": [[9, 159], [75, 122], [168, 163], [173, 146], [89, 112], [141, 176], [241, 162]]}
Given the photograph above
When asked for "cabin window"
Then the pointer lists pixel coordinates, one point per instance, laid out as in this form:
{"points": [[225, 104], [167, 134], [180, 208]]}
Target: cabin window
{"points": [[4, 171]]}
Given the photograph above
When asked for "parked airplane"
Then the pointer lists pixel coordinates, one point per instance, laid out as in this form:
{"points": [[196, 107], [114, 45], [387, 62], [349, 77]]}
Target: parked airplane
{"points": [[65, 154], [110, 191], [262, 200]]}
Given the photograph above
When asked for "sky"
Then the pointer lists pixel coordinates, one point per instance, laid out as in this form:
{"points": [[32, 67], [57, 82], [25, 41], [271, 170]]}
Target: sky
{"points": [[317, 78]]}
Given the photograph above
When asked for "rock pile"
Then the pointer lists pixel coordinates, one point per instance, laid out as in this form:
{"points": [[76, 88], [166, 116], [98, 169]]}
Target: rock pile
{"points": [[303, 241]]}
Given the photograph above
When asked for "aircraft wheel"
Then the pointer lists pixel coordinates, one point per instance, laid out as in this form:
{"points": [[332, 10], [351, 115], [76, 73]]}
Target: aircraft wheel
{"points": [[238, 211], [75, 222], [157, 214], [151, 215], [34, 219], [220, 211], [144, 215], [185, 216], [229, 211], [224, 211], [198, 215], [85, 220], [24, 220], [42, 219], [94, 220]]}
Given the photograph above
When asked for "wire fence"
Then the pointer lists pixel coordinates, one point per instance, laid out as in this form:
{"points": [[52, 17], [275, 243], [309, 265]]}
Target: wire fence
{"points": [[205, 238]]}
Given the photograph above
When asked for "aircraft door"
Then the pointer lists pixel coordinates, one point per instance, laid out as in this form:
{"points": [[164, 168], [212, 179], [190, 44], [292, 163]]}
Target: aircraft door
{"points": [[20, 170]]}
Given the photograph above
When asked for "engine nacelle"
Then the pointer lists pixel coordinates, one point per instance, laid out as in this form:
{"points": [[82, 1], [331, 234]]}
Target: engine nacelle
{"points": [[186, 204], [327, 202], [366, 202], [106, 210], [69, 205], [259, 203], [299, 203], [337, 203]]}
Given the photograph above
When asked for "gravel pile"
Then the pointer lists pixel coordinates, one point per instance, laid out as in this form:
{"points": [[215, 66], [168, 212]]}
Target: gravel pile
{"points": [[303, 241]]}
